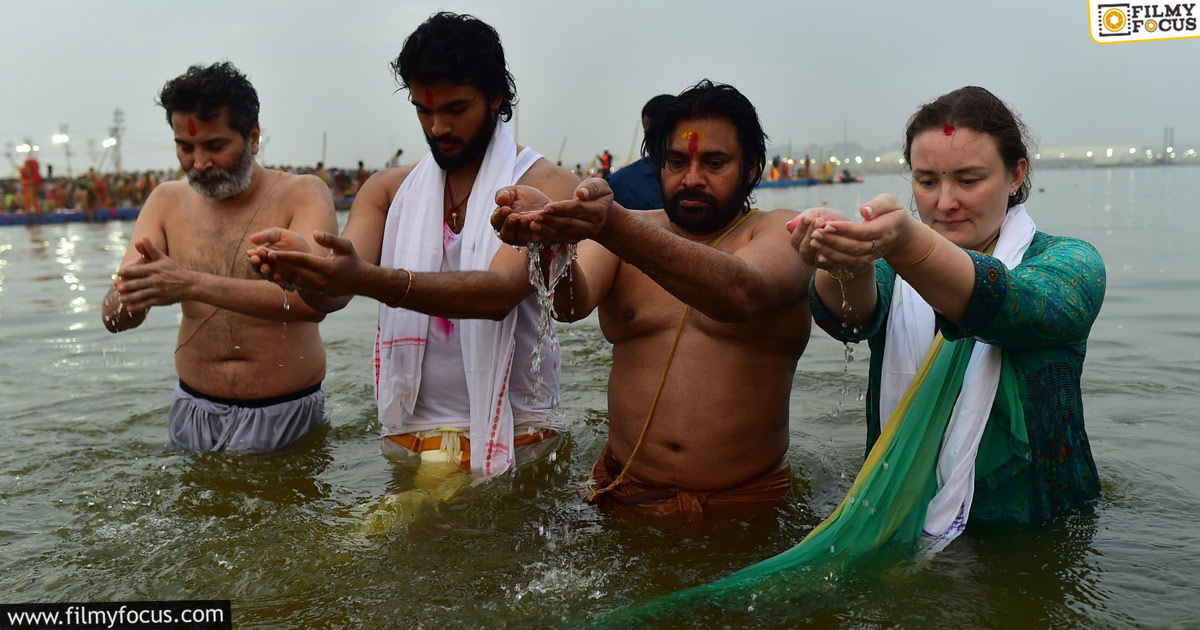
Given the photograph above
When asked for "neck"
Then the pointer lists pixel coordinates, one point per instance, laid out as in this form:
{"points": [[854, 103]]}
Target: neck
{"points": [[465, 175]]}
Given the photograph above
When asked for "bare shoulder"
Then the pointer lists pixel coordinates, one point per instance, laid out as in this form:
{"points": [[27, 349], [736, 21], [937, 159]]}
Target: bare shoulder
{"points": [[773, 223], [389, 180], [164, 197], [305, 187], [556, 181]]}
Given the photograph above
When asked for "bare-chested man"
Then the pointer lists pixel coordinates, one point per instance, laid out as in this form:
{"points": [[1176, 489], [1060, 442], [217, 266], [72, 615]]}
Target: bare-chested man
{"points": [[706, 309], [453, 369], [249, 357]]}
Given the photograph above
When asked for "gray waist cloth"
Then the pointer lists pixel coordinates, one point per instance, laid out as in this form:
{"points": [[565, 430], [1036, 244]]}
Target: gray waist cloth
{"points": [[206, 423]]}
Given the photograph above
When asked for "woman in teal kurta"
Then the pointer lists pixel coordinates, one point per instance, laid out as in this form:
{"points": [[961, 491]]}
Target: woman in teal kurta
{"points": [[1040, 313], [969, 167]]}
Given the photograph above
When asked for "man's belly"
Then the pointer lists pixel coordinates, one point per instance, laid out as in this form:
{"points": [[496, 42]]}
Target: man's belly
{"points": [[250, 362]]}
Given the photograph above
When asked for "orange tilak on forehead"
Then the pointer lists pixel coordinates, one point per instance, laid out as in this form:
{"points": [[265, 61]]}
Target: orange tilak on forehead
{"points": [[693, 137]]}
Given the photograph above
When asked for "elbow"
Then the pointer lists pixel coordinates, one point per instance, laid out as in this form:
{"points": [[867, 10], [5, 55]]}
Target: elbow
{"points": [[570, 314]]}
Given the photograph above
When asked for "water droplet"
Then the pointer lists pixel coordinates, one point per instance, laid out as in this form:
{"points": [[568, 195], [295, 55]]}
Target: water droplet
{"points": [[885, 465], [831, 549], [286, 306]]}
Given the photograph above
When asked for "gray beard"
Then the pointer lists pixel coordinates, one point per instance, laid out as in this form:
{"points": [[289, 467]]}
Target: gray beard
{"points": [[224, 183]]}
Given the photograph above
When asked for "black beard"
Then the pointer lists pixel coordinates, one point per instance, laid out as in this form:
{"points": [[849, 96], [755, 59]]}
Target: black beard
{"points": [[472, 150], [224, 183], [702, 220]]}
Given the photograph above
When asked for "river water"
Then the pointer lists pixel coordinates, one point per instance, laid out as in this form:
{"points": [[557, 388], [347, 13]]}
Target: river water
{"points": [[95, 507]]}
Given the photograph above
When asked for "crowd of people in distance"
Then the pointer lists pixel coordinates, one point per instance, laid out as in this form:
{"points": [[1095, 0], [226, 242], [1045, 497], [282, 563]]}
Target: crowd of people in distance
{"points": [[93, 191]]}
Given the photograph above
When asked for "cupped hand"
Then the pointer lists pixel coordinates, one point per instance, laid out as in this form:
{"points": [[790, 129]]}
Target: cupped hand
{"points": [[332, 275], [274, 239], [579, 218], [516, 207], [152, 280]]}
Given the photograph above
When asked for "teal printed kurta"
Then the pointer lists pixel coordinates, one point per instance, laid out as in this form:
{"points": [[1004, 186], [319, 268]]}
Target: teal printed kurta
{"points": [[1040, 314]]}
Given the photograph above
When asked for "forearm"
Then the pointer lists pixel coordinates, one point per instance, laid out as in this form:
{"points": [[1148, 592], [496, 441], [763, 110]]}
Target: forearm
{"points": [[256, 298], [940, 271], [116, 316], [453, 295], [572, 296], [714, 282]]}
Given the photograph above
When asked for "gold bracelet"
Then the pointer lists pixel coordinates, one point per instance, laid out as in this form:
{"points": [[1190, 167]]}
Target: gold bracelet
{"points": [[407, 289], [920, 260]]}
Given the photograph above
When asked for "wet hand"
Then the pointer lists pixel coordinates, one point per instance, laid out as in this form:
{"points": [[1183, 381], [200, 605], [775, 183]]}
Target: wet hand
{"points": [[573, 220], [154, 280], [278, 239], [804, 225], [516, 207], [331, 275]]}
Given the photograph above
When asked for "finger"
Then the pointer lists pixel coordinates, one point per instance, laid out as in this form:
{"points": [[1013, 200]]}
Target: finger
{"points": [[147, 249], [884, 204], [267, 237], [591, 189], [288, 262], [506, 196], [336, 243]]}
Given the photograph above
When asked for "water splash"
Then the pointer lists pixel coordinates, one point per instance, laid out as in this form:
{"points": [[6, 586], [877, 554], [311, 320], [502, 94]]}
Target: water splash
{"points": [[561, 256]]}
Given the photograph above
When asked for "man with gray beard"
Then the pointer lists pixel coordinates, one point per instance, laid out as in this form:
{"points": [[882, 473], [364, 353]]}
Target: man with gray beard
{"points": [[188, 247]]}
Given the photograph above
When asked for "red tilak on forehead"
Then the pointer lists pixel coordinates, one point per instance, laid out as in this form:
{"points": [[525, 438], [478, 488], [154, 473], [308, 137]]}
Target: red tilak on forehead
{"points": [[948, 129], [693, 142], [429, 97], [191, 127]]}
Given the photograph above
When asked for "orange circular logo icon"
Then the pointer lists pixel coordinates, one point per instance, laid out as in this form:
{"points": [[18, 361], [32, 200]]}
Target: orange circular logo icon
{"points": [[1114, 20]]}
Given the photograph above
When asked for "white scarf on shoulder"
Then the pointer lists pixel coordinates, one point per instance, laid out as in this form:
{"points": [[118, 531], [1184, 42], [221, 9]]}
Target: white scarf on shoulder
{"points": [[910, 332], [412, 240]]}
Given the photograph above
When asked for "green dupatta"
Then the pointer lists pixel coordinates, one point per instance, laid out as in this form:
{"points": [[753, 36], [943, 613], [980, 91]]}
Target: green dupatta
{"points": [[879, 521]]}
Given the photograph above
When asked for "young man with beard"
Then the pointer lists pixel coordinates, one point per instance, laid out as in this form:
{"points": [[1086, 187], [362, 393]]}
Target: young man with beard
{"points": [[706, 308], [453, 353], [248, 380]]}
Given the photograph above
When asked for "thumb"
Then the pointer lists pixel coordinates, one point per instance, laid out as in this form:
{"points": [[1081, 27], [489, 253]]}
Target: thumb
{"points": [[272, 235], [149, 251], [505, 196], [333, 242]]}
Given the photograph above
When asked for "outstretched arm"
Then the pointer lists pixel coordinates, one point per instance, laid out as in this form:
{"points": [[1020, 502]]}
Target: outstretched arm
{"points": [[352, 268], [730, 286]]}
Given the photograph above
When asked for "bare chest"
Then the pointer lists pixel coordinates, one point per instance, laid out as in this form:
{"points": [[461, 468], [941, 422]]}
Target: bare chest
{"points": [[216, 243]]}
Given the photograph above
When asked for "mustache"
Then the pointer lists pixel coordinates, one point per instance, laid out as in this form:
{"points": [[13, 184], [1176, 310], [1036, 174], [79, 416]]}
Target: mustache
{"points": [[209, 174], [694, 195], [446, 138]]}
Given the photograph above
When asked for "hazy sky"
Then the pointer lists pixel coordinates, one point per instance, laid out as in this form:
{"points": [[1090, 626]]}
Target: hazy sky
{"points": [[815, 70]]}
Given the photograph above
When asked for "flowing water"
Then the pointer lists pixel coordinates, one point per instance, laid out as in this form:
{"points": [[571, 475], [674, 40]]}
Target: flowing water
{"points": [[95, 507]]}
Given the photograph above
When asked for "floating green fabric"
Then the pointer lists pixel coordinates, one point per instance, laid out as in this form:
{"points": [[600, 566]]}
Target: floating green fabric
{"points": [[884, 509]]}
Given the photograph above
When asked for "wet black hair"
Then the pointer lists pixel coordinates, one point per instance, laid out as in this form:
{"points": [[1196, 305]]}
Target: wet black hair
{"points": [[655, 105], [975, 108], [460, 49], [204, 90], [711, 100]]}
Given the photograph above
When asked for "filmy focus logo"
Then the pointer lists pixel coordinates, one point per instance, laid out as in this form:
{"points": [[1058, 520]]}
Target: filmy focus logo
{"points": [[1114, 22]]}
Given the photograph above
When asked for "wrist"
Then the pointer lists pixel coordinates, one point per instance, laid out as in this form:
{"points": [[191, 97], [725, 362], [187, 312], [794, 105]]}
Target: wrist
{"points": [[917, 244], [613, 220], [192, 289]]}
